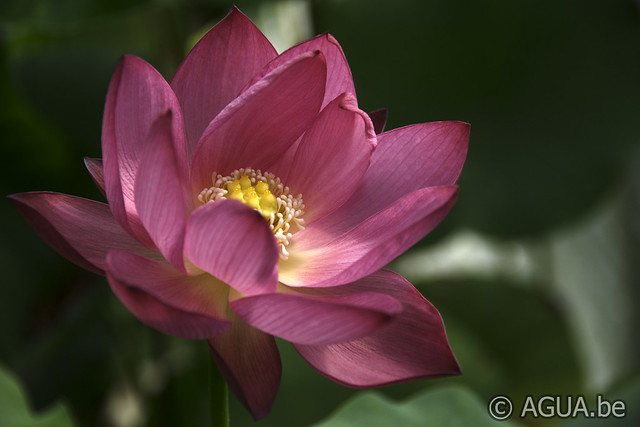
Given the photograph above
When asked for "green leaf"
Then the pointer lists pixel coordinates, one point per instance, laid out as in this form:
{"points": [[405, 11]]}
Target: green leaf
{"points": [[446, 406], [15, 412]]}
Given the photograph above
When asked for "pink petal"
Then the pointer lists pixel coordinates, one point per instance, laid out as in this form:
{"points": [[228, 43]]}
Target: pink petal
{"points": [[429, 154], [434, 152], [217, 68], [314, 319], [161, 192], [408, 159], [136, 97], [331, 158], [81, 230], [260, 125], [339, 78], [232, 242], [191, 307], [330, 253], [250, 363], [413, 346], [379, 119], [94, 166]]}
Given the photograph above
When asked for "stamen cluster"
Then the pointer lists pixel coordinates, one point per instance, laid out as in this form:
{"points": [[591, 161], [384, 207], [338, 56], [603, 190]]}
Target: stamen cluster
{"points": [[265, 193]]}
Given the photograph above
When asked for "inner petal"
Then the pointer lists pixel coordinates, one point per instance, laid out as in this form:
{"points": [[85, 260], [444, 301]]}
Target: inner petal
{"points": [[265, 193]]}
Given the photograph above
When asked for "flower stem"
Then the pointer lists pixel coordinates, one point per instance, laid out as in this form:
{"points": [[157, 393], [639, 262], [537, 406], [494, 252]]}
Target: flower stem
{"points": [[219, 396]]}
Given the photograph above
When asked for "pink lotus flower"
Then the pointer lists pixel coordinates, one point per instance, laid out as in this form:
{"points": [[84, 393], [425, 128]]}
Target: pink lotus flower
{"points": [[251, 198]]}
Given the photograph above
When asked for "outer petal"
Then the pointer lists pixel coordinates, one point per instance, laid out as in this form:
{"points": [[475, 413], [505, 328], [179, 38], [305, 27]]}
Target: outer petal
{"points": [[331, 158], [413, 346], [161, 192], [262, 123], [94, 166], [317, 319], [136, 97], [191, 307], [82, 230], [250, 363], [217, 68], [232, 242], [339, 78], [329, 254], [408, 159]]}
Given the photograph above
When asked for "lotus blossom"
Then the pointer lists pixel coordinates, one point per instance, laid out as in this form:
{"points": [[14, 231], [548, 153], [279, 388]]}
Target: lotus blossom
{"points": [[250, 198]]}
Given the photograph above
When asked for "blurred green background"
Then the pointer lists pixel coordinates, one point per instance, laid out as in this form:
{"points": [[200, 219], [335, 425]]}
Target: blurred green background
{"points": [[535, 272]]}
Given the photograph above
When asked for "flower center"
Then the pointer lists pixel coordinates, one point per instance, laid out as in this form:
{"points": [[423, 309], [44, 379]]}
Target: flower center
{"points": [[265, 193]]}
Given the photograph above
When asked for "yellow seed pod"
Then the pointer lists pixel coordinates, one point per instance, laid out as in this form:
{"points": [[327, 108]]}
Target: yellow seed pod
{"points": [[245, 182], [236, 194], [234, 186], [251, 198], [261, 187], [268, 204]]}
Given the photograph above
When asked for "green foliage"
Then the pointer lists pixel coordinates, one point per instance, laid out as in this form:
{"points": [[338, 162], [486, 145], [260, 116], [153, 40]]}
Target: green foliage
{"points": [[15, 412], [442, 407]]}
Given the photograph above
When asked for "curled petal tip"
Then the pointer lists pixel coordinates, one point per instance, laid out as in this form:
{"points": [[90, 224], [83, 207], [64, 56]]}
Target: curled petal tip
{"points": [[379, 119], [95, 168]]}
